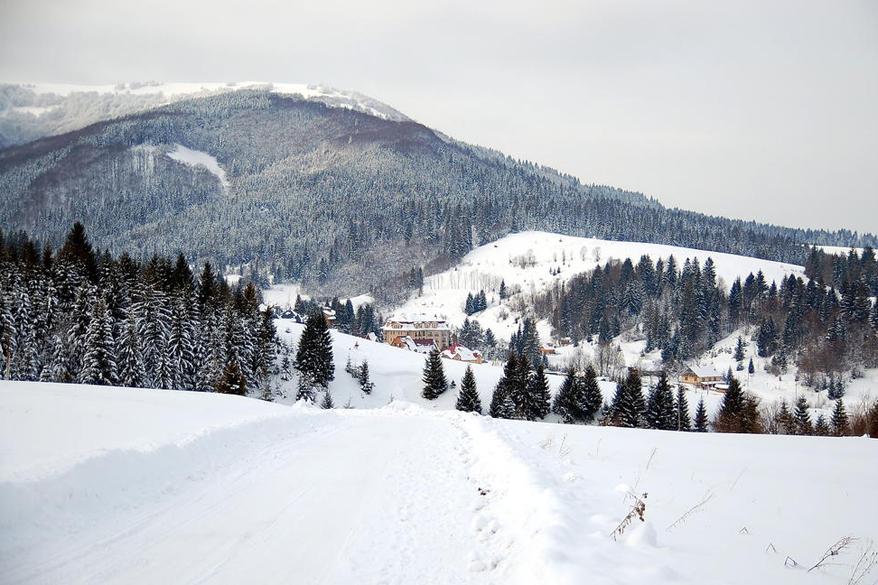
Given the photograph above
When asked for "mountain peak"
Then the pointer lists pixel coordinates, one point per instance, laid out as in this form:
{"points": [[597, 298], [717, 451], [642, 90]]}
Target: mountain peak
{"points": [[30, 111]]}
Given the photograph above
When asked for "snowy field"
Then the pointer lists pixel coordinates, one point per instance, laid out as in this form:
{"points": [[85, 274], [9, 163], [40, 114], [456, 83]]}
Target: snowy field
{"points": [[524, 261], [107, 485]]}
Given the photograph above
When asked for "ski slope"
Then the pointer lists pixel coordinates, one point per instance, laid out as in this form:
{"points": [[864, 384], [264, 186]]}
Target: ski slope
{"points": [[524, 260], [110, 485]]}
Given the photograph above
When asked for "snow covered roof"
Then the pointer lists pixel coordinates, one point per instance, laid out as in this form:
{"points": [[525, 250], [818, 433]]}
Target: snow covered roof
{"points": [[462, 353], [418, 345], [416, 321], [704, 371]]}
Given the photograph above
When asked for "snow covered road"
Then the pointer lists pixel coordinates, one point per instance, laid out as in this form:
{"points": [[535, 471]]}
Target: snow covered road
{"points": [[301, 498]]}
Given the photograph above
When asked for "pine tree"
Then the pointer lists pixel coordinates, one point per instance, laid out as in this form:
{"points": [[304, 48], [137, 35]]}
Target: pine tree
{"points": [[99, 358], [131, 372], [729, 419], [514, 381], [434, 377], [784, 419], [502, 405], [821, 429], [839, 422], [314, 355], [739, 350], [180, 348], [681, 411], [660, 412], [327, 402], [537, 397], [627, 409], [468, 397], [802, 418], [700, 416], [567, 401], [504, 294], [231, 381], [590, 394], [366, 384], [750, 368]]}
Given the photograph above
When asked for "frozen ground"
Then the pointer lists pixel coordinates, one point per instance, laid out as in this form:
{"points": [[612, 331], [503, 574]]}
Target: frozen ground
{"points": [[106, 485]]}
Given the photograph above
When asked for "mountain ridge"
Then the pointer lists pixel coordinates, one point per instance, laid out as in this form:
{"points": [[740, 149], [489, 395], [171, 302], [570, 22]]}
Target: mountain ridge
{"points": [[385, 194]]}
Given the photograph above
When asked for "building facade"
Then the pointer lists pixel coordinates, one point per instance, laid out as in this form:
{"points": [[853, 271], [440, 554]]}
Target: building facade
{"points": [[419, 328]]}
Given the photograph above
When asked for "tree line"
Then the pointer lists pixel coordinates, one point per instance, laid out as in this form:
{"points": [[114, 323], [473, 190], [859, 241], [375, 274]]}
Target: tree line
{"points": [[829, 333], [82, 315]]}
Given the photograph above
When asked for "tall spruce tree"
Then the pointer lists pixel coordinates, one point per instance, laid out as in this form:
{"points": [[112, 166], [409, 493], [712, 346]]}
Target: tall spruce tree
{"points": [[700, 421], [729, 417], [567, 401], [681, 411], [99, 357], [627, 409], [802, 418], [839, 421], [659, 413], [366, 385], [537, 397], [434, 377], [739, 350], [590, 394], [314, 355], [502, 405], [131, 372], [231, 381], [783, 420], [821, 428], [468, 396]]}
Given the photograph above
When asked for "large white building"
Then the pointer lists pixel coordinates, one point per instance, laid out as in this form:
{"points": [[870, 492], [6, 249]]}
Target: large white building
{"points": [[420, 327]]}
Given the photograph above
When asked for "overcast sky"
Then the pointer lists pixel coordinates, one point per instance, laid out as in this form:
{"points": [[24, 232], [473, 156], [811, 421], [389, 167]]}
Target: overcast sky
{"points": [[756, 109]]}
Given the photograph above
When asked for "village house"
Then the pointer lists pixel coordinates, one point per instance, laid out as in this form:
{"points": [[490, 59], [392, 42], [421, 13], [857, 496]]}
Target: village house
{"points": [[702, 377], [463, 354], [420, 328]]}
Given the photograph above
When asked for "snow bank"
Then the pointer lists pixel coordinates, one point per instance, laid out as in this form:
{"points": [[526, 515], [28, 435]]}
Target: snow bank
{"points": [[719, 508], [98, 420]]}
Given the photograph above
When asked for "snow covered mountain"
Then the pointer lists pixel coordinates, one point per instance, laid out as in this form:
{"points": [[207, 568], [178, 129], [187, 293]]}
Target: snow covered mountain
{"points": [[31, 111], [308, 184], [112, 485]]}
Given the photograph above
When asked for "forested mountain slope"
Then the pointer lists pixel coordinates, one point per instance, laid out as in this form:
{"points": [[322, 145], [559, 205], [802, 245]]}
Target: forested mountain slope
{"points": [[339, 198]]}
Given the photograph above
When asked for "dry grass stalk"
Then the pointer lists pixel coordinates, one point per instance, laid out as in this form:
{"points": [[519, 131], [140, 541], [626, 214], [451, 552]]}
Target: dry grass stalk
{"points": [[707, 497], [833, 551], [638, 509]]}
